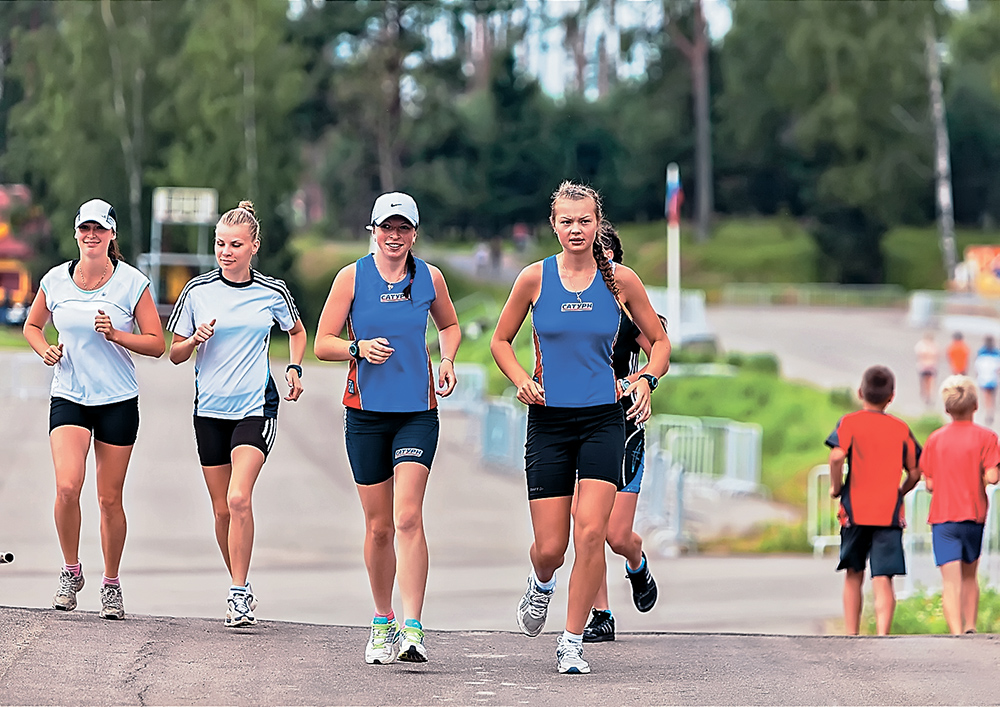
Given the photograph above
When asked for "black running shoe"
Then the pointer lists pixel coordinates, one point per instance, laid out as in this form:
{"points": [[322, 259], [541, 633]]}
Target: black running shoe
{"points": [[643, 586], [601, 627]]}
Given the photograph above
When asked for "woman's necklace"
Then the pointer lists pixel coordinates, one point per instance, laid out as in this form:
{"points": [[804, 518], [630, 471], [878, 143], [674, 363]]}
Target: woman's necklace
{"points": [[390, 285], [566, 274], [83, 280]]}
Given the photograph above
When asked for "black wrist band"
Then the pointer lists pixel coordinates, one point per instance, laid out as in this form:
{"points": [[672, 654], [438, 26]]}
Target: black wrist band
{"points": [[294, 367]]}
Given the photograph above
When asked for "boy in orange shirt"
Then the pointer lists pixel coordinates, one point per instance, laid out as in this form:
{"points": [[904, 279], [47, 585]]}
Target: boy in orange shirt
{"points": [[877, 447], [960, 458]]}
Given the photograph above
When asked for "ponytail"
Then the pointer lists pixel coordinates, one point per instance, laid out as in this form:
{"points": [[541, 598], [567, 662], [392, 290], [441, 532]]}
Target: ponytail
{"points": [[113, 251], [411, 269], [604, 265]]}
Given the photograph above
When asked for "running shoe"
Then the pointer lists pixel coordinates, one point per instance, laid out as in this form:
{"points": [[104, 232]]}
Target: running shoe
{"points": [[533, 609], [569, 656], [112, 606], [601, 627], [383, 644], [238, 611], [253, 597], [643, 586], [69, 585], [412, 648]]}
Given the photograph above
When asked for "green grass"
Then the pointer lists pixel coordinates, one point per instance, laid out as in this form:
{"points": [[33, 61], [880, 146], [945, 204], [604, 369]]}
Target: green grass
{"points": [[922, 614], [913, 255]]}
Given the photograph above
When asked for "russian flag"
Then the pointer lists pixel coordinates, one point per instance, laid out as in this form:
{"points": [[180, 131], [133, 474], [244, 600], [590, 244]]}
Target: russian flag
{"points": [[674, 198]]}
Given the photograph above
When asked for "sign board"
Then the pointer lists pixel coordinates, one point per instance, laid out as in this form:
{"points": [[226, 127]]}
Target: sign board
{"points": [[185, 205], [982, 264]]}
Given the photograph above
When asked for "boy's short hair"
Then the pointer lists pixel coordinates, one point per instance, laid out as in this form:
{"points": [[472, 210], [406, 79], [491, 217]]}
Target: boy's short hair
{"points": [[959, 395], [877, 385]]}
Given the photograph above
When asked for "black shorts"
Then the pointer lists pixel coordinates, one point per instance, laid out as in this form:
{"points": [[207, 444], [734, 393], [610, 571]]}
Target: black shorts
{"points": [[564, 444], [378, 441], [883, 546], [114, 423], [217, 438]]}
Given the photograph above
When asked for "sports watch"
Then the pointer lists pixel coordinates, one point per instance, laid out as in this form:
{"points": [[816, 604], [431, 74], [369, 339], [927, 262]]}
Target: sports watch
{"points": [[355, 350], [625, 383], [652, 380], [294, 367]]}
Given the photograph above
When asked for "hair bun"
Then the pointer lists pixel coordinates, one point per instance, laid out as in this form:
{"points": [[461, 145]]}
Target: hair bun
{"points": [[248, 205]]}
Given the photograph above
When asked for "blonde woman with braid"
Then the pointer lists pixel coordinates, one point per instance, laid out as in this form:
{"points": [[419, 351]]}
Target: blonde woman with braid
{"points": [[576, 426], [95, 304], [226, 315]]}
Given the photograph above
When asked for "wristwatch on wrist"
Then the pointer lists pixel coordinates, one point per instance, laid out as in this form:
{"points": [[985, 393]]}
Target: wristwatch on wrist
{"points": [[355, 350], [625, 383], [652, 380], [294, 367]]}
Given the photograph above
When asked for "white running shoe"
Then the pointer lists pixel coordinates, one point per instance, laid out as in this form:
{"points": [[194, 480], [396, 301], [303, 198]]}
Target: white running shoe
{"points": [[238, 611], [69, 585], [384, 642], [533, 609], [253, 597], [412, 649], [569, 656], [112, 605]]}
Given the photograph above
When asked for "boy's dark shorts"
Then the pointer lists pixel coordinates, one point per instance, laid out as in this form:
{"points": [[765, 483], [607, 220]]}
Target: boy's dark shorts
{"points": [[881, 545], [959, 540]]}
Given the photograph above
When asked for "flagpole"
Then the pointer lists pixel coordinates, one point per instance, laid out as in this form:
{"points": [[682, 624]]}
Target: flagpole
{"points": [[672, 214]]}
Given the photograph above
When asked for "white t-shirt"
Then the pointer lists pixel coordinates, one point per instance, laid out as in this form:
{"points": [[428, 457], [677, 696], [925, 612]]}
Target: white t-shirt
{"points": [[93, 370], [987, 367], [232, 375]]}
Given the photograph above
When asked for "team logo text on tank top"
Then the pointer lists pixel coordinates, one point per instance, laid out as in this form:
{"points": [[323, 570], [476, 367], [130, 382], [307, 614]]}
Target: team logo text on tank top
{"points": [[577, 307], [394, 297]]}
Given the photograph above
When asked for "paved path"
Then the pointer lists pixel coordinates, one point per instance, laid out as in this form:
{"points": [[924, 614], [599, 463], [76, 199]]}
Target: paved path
{"points": [[49, 658]]}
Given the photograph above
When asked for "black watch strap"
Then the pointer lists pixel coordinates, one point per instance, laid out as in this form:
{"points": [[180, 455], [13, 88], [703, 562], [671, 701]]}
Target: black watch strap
{"points": [[294, 367], [651, 379], [355, 349]]}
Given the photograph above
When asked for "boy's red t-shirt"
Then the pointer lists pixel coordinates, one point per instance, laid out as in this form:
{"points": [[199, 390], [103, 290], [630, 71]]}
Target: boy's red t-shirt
{"points": [[876, 444], [954, 460]]}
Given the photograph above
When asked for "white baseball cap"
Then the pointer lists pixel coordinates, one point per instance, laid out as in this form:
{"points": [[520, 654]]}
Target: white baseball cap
{"points": [[98, 211], [395, 203]]}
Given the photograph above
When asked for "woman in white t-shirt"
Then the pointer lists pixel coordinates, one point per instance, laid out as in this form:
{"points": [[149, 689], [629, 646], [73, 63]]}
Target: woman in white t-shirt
{"points": [[227, 316], [95, 303], [987, 366]]}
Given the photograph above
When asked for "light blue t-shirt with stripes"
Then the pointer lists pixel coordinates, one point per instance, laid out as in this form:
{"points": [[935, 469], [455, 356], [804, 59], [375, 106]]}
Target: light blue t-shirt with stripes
{"points": [[93, 370], [232, 375]]}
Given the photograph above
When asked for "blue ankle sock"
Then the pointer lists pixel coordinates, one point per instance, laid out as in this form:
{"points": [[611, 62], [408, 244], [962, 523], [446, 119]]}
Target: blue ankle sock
{"points": [[642, 566], [413, 623]]}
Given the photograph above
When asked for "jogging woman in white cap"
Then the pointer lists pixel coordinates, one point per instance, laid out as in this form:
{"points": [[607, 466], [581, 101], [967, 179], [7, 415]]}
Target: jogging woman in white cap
{"points": [[391, 424], [95, 303], [576, 427], [227, 315]]}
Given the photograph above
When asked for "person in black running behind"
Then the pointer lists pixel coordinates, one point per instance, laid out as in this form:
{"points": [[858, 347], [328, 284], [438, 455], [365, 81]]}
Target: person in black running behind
{"points": [[576, 430], [391, 423], [622, 538], [227, 315]]}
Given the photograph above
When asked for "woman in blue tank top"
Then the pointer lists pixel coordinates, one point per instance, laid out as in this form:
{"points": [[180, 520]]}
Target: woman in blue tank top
{"points": [[391, 422], [576, 433]]}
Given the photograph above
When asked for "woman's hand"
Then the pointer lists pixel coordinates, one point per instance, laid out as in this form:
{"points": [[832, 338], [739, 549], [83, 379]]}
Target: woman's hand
{"points": [[446, 378], [102, 325], [203, 333], [294, 385], [639, 412], [53, 354], [530, 393], [375, 350]]}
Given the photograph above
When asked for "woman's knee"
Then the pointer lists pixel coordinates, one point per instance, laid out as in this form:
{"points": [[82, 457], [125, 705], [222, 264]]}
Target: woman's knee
{"points": [[68, 492], [239, 503], [409, 522], [380, 533]]}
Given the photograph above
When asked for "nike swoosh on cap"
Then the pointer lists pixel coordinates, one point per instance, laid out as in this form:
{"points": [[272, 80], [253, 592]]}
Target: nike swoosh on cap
{"points": [[393, 206]]}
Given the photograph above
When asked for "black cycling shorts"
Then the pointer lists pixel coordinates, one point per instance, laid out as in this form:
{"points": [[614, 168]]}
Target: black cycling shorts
{"points": [[566, 444], [217, 438], [115, 423], [378, 441]]}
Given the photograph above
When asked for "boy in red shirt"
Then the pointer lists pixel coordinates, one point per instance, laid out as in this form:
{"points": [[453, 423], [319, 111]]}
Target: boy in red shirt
{"points": [[960, 458], [877, 447]]}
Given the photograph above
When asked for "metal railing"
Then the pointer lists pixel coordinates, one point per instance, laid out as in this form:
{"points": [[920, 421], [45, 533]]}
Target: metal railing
{"points": [[814, 295]]}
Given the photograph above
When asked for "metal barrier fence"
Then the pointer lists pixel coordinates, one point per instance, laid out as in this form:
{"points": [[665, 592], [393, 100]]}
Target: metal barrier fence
{"points": [[504, 429], [725, 452], [819, 294], [659, 516]]}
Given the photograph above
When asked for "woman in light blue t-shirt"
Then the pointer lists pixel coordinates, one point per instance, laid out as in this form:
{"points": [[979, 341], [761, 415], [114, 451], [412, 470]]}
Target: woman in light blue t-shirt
{"points": [[94, 303]]}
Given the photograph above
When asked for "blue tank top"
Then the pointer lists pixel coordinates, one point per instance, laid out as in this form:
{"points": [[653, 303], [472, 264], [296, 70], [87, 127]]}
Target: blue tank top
{"points": [[574, 339], [405, 382]]}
